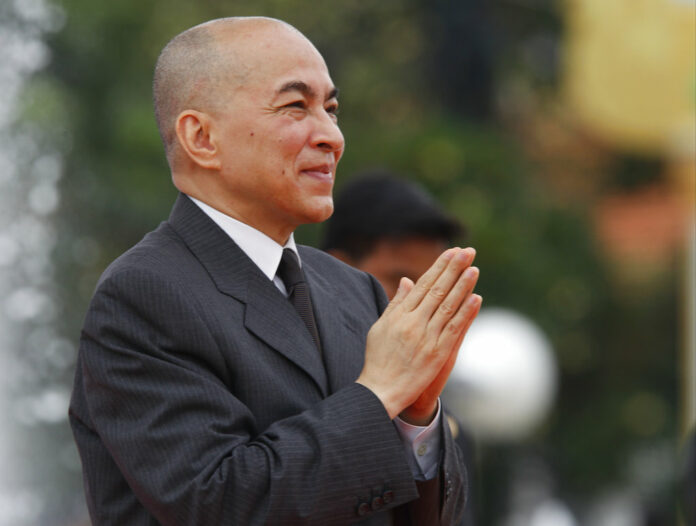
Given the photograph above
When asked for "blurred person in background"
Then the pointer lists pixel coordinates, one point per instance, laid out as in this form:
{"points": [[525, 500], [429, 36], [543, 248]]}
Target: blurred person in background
{"points": [[227, 375], [390, 227]]}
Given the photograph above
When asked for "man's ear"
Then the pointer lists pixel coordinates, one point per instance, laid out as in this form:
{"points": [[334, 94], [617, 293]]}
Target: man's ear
{"points": [[194, 132]]}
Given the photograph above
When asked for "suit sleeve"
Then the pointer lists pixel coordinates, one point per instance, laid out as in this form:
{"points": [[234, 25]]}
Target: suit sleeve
{"points": [[149, 411], [442, 500]]}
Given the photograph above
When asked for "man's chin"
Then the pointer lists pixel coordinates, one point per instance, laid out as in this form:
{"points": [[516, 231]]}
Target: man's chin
{"points": [[319, 213]]}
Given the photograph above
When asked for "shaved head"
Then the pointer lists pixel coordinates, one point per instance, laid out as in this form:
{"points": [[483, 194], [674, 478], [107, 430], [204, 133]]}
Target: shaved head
{"points": [[247, 112], [195, 64]]}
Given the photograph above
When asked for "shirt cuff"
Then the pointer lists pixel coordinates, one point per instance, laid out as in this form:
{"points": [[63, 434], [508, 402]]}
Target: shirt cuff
{"points": [[422, 445]]}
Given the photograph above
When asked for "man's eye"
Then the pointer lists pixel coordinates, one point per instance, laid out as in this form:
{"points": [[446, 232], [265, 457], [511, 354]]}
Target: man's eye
{"points": [[296, 104], [333, 109]]}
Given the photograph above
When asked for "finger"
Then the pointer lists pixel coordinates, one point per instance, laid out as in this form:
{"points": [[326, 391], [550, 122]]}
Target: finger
{"points": [[452, 303], [455, 330], [440, 290], [428, 278], [405, 286], [441, 379], [477, 302]]}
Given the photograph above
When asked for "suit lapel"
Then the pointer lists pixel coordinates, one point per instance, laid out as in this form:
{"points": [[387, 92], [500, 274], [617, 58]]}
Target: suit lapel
{"points": [[342, 345], [273, 319], [268, 314]]}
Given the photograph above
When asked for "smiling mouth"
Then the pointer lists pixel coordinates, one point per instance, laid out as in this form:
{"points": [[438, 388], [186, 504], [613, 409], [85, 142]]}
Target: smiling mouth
{"points": [[323, 172]]}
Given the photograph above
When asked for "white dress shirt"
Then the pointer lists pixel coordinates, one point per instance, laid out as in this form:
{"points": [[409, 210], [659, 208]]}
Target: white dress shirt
{"points": [[422, 444]]}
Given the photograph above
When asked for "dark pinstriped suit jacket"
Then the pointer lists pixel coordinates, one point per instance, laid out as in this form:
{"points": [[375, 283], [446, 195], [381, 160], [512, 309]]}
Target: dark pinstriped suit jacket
{"points": [[200, 399]]}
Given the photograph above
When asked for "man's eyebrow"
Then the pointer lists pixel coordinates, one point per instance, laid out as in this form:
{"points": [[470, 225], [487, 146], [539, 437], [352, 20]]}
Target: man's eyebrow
{"points": [[305, 89]]}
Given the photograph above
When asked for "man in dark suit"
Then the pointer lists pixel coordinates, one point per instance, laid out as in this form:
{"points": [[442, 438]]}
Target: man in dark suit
{"points": [[226, 375]]}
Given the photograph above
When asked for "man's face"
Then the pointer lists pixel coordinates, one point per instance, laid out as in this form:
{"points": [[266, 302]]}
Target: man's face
{"points": [[278, 136], [409, 257]]}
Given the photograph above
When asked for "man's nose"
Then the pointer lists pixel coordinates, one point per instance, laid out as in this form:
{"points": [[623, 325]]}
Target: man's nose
{"points": [[327, 134]]}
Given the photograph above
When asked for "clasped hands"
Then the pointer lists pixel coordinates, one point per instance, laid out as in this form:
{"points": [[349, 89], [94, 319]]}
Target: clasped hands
{"points": [[413, 346]]}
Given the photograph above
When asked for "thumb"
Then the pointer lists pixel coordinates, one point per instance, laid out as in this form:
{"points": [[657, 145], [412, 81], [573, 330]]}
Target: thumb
{"points": [[405, 286]]}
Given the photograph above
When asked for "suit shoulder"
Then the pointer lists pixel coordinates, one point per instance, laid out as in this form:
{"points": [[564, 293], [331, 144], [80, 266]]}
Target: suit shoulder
{"points": [[337, 271], [159, 252], [320, 259]]}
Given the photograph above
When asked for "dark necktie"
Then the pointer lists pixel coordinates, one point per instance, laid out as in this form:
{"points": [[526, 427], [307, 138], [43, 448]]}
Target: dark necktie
{"points": [[298, 292]]}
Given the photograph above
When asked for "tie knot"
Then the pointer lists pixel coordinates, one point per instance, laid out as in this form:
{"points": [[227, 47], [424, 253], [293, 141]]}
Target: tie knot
{"points": [[289, 269]]}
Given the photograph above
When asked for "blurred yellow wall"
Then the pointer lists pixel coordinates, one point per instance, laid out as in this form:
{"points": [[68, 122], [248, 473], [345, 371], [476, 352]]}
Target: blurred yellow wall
{"points": [[630, 72]]}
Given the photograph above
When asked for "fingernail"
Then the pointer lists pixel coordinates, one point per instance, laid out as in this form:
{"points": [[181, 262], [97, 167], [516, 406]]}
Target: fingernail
{"points": [[471, 272]]}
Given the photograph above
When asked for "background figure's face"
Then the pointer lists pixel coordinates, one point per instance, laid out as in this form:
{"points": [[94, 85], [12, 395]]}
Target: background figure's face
{"points": [[390, 260], [278, 135]]}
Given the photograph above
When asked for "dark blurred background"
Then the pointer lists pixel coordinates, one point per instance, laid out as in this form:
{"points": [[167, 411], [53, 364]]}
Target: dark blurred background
{"points": [[561, 133]]}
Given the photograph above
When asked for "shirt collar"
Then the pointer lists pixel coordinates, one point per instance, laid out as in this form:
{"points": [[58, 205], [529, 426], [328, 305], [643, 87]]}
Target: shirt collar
{"points": [[261, 249]]}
